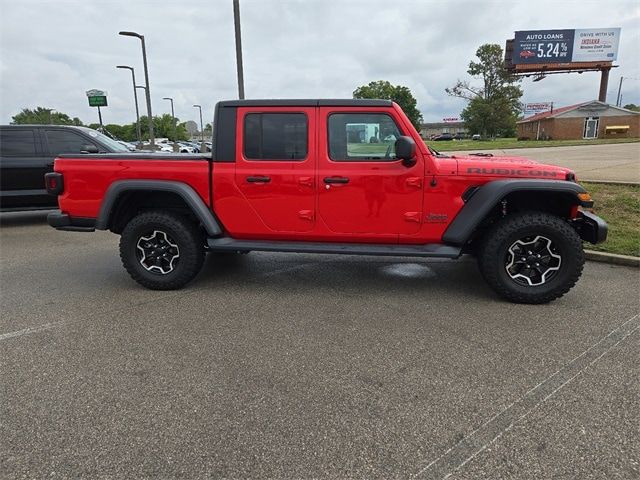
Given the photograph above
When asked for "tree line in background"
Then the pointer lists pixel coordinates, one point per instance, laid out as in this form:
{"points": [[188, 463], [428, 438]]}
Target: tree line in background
{"points": [[163, 124]]}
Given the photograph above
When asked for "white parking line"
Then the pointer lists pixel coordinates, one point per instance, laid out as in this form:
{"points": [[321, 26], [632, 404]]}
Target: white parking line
{"points": [[477, 441], [26, 331]]}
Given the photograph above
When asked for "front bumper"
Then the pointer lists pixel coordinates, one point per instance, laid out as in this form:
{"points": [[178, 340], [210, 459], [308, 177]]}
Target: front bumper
{"points": [[62, 221], [591, 227]]}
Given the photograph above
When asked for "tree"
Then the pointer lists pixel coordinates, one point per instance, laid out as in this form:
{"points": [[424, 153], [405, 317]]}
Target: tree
{"points": [[399, 94], [43, 116], [493, 108], [632, 106]]}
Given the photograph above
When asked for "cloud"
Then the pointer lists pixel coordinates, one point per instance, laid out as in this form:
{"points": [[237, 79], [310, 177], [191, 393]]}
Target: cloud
{"points": [[51, 52]]}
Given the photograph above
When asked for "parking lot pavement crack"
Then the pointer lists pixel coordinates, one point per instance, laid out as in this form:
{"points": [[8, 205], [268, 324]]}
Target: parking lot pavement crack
{"points": [[477, 441]]}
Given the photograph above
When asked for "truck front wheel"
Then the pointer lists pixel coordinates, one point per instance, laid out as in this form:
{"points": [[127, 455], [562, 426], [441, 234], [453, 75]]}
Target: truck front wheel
{"points": [[531, 257], [161, 250]]}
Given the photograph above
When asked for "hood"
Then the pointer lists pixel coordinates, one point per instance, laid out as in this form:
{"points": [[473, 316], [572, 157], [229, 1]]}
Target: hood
{"points": [[519, 167]]}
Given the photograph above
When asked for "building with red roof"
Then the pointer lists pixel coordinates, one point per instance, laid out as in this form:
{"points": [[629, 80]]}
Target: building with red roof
{"points": [[586, 120]]}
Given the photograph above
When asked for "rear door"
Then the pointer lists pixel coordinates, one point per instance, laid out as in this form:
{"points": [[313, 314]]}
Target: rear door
{"points": [[363, 188], [275, 166]]}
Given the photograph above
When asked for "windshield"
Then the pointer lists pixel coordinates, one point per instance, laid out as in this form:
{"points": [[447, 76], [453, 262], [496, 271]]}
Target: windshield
{"points": [[113, 145]]}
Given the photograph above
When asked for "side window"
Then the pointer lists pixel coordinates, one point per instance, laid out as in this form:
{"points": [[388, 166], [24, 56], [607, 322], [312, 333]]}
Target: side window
{"points": [[275, 136], [17, 142], [362, 137], [64, 141]]}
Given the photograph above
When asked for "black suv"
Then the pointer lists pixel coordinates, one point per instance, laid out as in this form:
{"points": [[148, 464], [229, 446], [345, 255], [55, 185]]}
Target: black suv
{"points": [[27, 153]]}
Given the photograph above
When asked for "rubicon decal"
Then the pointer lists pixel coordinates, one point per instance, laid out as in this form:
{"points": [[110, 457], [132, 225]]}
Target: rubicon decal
{"points": [[512, 172]]}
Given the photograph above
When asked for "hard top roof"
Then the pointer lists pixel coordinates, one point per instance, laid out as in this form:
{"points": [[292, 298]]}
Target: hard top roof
{"points": [[350, 102]]}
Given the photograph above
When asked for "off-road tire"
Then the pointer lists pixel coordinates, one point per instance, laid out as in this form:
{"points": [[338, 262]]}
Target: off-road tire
{"points": [[184, 233], [494, 253]]}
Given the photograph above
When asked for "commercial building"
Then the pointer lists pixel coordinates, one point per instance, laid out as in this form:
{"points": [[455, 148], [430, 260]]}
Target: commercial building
{"points": [[587, 120], [427, 130]]}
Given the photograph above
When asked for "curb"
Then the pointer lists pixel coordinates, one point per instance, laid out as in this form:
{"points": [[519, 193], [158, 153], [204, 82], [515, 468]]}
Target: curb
{"points": [[609, 182], [612, 258]]}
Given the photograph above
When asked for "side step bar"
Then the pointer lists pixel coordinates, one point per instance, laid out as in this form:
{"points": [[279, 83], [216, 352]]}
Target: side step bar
{"points": [[226, 244]]}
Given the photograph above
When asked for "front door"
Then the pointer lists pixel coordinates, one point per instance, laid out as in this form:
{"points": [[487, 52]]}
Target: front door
{"points": [[591, 127], [275, 170], [363, 189]]}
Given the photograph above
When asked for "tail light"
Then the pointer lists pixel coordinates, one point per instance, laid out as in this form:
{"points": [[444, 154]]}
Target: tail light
{"points": [[54, 183]]}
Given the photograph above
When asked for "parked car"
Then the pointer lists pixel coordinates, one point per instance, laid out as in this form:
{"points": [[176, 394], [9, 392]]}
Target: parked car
{"points": [[476, 136], [184, 147], [443, 137], [127, 145], [27, 153], [270, 186]]}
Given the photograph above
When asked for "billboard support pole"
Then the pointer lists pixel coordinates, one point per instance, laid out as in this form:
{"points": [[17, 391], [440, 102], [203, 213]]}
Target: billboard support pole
{"points": [[100, 119], [604, 84]]}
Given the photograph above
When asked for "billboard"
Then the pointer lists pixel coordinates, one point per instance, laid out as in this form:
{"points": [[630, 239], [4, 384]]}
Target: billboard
{"points": [[565, 46]]}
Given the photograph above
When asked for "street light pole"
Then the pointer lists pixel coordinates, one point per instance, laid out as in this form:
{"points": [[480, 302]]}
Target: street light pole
{"points": [[173, 123], [135, 99], [236, 22], [146, 78], [201, 129]]}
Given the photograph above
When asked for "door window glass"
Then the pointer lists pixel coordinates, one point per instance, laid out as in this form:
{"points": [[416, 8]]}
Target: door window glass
{"points": [[275, 136], [64, 141], [362, 137], [17, 142]]}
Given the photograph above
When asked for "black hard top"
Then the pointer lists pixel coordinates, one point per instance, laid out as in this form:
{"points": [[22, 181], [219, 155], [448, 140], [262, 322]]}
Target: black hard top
{"points": [[138, 156], [349, 102]]}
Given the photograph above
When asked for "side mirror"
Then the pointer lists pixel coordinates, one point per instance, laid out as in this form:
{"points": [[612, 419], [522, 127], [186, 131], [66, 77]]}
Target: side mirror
{"points": [[89, 149], [406, 150]]}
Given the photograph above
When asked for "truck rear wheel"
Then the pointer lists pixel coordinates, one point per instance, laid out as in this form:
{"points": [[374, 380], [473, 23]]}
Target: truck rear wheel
{"points": [[161, 250], [531, 257]]}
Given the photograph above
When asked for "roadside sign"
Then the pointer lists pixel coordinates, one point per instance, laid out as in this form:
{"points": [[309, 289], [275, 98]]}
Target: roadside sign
{"points": [[98, 101], [97, 98], [537, 107]]}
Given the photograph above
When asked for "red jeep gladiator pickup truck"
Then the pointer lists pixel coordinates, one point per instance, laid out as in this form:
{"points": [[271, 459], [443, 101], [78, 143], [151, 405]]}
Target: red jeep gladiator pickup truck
{"points": [[330, 176]]}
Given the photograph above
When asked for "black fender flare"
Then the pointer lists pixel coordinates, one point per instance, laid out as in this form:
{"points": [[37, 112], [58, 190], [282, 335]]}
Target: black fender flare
{"points": [[486, 197], [187, 193]]}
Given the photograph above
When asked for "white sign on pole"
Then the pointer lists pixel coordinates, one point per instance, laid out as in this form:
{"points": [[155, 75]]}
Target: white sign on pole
{"points": [[537, 107]]}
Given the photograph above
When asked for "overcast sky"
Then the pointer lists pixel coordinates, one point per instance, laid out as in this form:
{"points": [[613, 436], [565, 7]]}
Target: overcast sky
{"points": [[52, 51]]}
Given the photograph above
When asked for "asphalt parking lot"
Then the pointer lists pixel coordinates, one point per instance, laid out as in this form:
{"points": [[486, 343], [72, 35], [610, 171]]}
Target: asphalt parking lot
{"points": [[276, 365], [617, 162]]}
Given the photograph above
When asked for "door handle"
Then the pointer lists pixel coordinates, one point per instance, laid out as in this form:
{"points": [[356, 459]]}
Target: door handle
{"points": [[258, 179], [343, 180]]}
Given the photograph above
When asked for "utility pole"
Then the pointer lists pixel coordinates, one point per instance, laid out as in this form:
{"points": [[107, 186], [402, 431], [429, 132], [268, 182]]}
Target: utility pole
{"points": [[619, 99], [146, 78], [202, 146], [236, 22], [173, 123], [135, 99]]}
